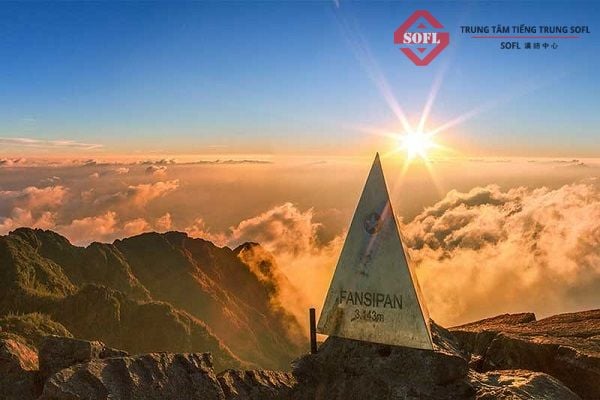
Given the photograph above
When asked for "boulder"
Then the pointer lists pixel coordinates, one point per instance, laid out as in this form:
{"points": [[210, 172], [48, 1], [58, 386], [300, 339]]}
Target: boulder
{"points": [[256, 385], [57, 353], [519, 384], [350, 369], [18, 365], [566, 346], [154, 376]]}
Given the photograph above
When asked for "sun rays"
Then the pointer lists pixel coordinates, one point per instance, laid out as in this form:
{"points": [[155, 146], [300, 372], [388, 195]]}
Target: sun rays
{"points": [[415, 140], [416, 144]]}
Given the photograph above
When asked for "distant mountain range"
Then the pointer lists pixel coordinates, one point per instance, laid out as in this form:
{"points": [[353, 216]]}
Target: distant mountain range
{"points": [[147, 293]]}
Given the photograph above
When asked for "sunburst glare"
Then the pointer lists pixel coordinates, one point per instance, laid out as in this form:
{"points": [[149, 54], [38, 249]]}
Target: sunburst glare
{"points": [[416, 144]]}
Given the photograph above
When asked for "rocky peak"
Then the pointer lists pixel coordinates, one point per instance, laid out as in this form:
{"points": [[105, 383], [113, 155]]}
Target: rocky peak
{"points": [[499, 321], [57, 353], [42, 239]]}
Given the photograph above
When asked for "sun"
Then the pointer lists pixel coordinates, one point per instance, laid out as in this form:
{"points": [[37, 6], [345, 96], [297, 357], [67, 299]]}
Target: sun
{"points": [[416, 144]]}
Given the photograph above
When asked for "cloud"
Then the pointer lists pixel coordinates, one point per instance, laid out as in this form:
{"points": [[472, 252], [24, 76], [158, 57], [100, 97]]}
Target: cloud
{"points": [[546, 161], [115, 171], [232, 162], [48, 144], [490, 251], [285, 297], [33, 198], [104, 227], [135, 227], [86, 163], [134, 195], [478, 252], [44, 162], [31, 206], [434, 225], [164, 161], [304, 262], [9, 162], [121, 171], [84, 215], [89, 229], [164, 223], [198, 229], [142, 194], [573, 163], [172, 161], [156, 170], [282, 229], [51, 181], [21, 217], [292, 236]]}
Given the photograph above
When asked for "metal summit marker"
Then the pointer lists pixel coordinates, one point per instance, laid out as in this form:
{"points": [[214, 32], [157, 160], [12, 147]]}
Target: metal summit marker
{"points": [[374, 294]]}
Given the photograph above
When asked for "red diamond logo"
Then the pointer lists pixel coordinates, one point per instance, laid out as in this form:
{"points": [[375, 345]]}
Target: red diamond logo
{"points": [[429, 36]]}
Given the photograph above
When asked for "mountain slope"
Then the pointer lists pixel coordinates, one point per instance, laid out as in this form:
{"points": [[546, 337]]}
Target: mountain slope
{"points": [[151, 292], [28, 280], [99, 263], [139, 327], [213, 284]]}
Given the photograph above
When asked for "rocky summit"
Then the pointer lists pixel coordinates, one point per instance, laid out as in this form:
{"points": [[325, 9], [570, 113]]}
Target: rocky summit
{"points": [[566, 346], [153, 376], [351, 369], [71, 369]]}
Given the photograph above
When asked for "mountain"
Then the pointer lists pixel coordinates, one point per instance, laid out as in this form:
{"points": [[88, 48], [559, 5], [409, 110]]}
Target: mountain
{"points": [[167, 300], [151, 292], [214, 284]]}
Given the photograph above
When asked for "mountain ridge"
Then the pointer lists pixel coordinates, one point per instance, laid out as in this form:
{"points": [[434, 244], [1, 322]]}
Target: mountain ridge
{"points": [[207, 294]]}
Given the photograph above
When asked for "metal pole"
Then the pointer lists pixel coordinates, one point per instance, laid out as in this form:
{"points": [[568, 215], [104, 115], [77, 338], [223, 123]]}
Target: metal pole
{"points": [[313, 332]]}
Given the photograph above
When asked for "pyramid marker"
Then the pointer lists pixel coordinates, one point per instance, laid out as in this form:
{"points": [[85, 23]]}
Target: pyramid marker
{"points": [[374, 294]]}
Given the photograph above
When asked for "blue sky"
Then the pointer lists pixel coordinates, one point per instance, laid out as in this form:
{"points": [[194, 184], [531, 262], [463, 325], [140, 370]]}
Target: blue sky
{"points": [[293, 77]]}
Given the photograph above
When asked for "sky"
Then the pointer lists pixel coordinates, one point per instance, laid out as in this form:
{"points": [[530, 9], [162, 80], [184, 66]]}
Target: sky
{"points": [[298, 78], [258, 121]]}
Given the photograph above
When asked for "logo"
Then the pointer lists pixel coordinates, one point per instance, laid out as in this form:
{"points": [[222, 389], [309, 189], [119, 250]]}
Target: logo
{"points": [[373, 223], [420, 38]]}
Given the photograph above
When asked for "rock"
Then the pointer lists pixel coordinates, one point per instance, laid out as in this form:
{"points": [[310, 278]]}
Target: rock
{"points": [[566, 346], [256, 385], [57, 353], [519, 384], [154, 376], [350, 369], [18, 365], [16, 356], [500, 321]]}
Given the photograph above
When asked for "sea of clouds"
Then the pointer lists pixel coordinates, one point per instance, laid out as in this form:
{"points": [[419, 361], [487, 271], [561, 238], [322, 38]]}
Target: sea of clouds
{"points": [[478, 252]]}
